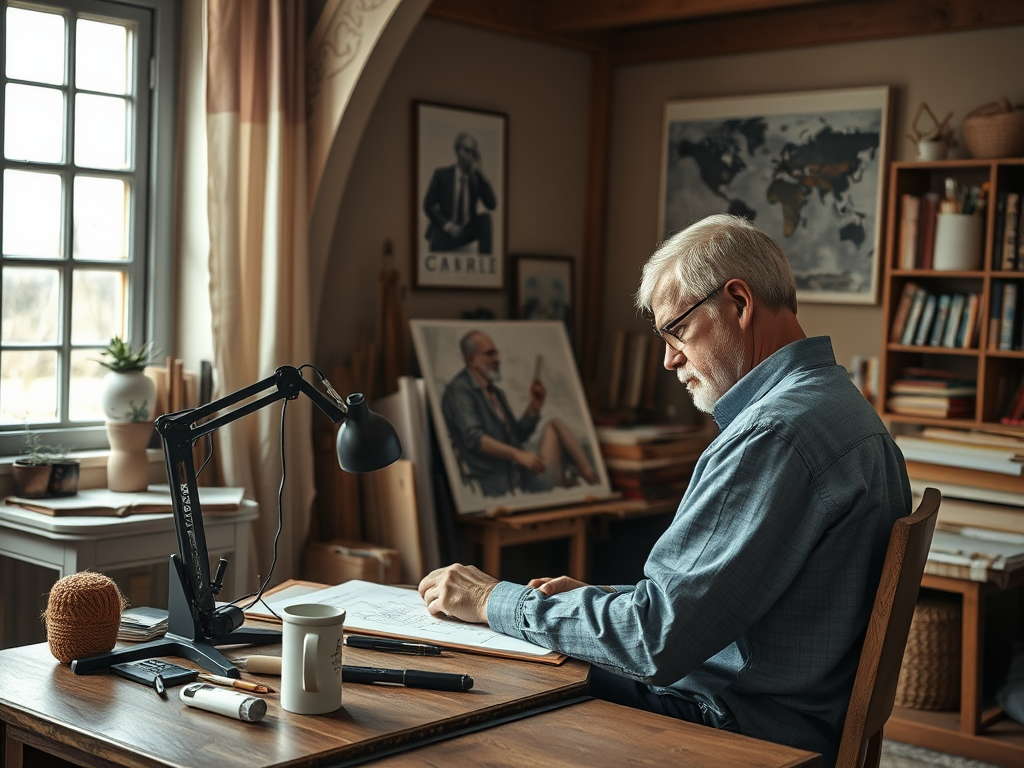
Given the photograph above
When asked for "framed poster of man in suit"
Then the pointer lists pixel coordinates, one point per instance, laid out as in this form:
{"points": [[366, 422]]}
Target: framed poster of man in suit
{"points": [[459, 232]]}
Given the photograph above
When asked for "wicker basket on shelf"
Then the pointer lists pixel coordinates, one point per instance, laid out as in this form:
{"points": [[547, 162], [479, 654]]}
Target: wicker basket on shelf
{"points": [[995, 130], [930, 675]]}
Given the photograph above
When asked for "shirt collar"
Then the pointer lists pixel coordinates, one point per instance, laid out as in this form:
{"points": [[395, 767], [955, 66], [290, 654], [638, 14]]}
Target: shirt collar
{"points": [[801, 355]]}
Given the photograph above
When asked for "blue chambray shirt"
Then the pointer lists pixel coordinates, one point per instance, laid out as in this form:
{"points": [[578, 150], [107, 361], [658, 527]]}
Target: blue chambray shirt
{"points": [[755, 600]]}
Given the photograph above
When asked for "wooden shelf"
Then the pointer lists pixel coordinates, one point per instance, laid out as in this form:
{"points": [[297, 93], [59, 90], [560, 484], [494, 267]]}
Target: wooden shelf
{"points": [[997, 373]]}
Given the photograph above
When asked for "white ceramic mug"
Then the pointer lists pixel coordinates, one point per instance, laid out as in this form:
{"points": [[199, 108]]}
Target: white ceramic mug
{"points": [[311, 658]]}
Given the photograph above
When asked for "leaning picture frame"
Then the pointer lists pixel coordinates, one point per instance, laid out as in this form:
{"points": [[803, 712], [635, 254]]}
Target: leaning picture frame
{"points": [[542, 288], [459, 206], [482, 380], [806, 168]]}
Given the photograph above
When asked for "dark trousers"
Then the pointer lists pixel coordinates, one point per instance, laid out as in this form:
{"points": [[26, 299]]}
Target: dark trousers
{"points": [[621, 690], [477, 228]]}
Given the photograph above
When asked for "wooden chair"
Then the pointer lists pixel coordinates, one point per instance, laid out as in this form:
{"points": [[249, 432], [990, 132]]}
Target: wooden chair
{"points": [[874, 688]]}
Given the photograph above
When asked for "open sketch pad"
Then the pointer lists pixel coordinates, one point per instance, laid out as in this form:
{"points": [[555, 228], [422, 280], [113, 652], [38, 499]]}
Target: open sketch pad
{"points": [[399, 612]]}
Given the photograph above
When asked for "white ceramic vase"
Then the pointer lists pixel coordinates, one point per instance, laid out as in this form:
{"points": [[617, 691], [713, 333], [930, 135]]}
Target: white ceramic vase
{"points": [[128, 396]]}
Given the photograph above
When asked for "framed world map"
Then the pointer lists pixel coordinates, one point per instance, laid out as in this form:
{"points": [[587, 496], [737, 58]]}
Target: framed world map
{"points": [[806, 168]]}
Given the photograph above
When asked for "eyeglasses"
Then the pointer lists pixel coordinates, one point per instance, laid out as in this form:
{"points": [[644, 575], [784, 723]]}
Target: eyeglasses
{"points": [[667, 329]]}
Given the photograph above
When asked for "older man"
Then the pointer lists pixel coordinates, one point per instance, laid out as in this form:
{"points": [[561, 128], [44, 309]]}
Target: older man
{"points": [[491, 441], [753, 606]]}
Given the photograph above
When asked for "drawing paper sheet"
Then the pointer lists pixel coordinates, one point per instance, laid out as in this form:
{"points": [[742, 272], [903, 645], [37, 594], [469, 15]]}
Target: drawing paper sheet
{"points": [[397, 611]]}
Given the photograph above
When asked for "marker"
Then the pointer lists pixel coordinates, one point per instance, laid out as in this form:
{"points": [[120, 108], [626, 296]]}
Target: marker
{"points": [[158, 684], [410, 678], [249, 709], [392, 646]]}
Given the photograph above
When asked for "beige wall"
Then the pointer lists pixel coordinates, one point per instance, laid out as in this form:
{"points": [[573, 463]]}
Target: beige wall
{"points": [[543, 89], [955, 72]]}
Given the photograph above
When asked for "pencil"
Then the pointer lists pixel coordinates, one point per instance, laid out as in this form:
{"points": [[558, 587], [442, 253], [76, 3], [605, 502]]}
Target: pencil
{"points": [[244, 685]]}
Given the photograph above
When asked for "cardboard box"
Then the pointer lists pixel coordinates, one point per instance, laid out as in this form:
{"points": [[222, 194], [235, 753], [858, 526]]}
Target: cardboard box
{"points": [[339, 560]]}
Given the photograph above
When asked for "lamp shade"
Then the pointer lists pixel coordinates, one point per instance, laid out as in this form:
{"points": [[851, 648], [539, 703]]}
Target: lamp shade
{"points": [[366, 440]]}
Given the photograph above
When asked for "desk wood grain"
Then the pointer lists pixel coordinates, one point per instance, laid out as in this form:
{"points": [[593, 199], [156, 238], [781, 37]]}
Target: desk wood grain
{"points": [[598, 733], [101, 719]]}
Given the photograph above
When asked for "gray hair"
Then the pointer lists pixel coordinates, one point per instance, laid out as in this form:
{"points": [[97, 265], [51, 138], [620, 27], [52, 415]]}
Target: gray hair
{"points": [[713, 251], [467, 344]]}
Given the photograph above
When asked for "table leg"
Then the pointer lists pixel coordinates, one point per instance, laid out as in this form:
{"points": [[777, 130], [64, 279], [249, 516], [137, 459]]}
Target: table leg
{"points": [[14, 751], [240, 577], [491, 544], [972, 639], [578, 550]]}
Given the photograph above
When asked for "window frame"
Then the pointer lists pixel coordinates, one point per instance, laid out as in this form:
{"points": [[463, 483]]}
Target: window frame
{"points": [[151, 304]]}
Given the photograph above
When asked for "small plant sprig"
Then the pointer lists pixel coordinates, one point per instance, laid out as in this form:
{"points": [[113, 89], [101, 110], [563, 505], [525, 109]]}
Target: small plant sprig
{"points": [[123, 359], [39, 454]]}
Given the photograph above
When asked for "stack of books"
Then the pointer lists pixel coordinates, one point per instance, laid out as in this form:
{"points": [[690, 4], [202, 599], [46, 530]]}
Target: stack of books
{"points": [[972, 464], [932, 393], [142, 623], [653, 462]]}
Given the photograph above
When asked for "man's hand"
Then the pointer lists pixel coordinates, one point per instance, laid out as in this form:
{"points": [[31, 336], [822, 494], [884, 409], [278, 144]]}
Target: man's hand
{"points": [[555, 586], [453, 229], [530, 461], [538, 394], [459, 591]]}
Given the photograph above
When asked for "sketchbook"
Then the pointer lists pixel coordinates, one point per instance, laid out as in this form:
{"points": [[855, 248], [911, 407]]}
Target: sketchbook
{"points": [[382, 609], [101, 501]]}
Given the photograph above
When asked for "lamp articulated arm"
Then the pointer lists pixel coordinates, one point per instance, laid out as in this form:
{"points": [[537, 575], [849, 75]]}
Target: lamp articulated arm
{"points": [[179, 432], [366, 442]]}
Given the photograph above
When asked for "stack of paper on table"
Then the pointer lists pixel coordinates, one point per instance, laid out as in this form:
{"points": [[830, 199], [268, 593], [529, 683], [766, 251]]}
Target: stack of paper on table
{"points": [[143, 623], [381, 609], [101, 501]]}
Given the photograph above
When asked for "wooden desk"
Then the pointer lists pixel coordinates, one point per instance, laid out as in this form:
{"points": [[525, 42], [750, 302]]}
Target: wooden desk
{"points": [[100, 720], [498, 531], [598, 733], [971, 731]]}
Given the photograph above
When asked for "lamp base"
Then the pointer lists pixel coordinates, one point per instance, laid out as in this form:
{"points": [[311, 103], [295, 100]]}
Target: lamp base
{"points": [[184, 638]]}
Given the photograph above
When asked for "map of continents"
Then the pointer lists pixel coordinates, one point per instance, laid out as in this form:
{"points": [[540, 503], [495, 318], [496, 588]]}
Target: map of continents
{"points": [[808, 180]]}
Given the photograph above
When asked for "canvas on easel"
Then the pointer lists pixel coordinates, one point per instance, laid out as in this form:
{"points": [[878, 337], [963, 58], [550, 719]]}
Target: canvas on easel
{"points": [[511, 418]]}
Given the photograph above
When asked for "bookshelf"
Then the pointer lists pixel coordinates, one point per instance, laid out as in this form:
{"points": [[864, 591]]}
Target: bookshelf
{"points": [[997, 371]]}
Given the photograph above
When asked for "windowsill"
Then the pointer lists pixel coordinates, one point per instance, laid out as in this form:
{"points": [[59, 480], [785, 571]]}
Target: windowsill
{"points": [[96, 459]]}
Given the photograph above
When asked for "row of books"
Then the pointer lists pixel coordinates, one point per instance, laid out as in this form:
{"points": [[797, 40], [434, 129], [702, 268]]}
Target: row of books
{"points": [[936, 320], [634, 362], [1004, 330], [1008, 237], [655, 461], [918, 216], [932, 393]]}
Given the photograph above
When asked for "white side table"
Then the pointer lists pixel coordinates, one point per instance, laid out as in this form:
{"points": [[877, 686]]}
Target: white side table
{"points": [[71, 544]]}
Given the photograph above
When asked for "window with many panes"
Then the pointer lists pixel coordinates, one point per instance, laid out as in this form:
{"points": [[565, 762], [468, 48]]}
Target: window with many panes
{"points": [[77, 229]]}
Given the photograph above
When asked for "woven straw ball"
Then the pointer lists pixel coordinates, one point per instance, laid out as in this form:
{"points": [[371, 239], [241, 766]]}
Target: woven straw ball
{"points": [[82, 616]]}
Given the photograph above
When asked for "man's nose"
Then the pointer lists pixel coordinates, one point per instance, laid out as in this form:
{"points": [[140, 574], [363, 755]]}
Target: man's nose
{"points": [[673, 358]]}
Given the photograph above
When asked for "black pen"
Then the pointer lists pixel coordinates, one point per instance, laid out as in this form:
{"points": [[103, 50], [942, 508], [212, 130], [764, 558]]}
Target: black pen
{"points": [[158, 684], [411, 678], [392, 646]]}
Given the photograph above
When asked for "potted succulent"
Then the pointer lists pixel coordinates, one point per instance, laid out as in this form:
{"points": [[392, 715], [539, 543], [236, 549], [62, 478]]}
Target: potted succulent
{"points": [[46, 471], [129, 396], [128, 393]]}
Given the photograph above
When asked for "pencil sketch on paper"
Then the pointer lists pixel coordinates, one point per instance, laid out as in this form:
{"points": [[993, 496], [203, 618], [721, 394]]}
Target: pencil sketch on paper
{"points": [[398, 611]]}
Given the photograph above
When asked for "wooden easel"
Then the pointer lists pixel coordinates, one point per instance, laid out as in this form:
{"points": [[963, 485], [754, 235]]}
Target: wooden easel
{"points": [[496, 531]]}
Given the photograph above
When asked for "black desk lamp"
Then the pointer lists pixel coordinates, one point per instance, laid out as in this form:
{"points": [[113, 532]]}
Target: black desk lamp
{"points": [[366, 442]]}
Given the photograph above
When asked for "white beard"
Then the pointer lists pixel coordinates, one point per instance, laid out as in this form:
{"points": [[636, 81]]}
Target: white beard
{"points": [[725, 369]]}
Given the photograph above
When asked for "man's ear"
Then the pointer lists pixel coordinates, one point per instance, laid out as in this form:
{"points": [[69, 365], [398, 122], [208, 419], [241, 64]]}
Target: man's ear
{"points": [[741, 298]]}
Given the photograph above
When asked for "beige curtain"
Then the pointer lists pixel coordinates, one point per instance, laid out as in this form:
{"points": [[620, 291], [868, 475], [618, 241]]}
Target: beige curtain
{"points": [[259, 285]]}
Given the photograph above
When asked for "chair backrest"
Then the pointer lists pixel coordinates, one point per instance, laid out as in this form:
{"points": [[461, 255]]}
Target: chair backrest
{"points": [[874, 688]]}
